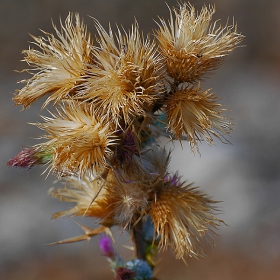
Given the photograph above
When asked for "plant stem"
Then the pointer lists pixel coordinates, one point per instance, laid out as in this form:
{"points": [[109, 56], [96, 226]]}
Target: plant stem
{"points": [[139, 240]]}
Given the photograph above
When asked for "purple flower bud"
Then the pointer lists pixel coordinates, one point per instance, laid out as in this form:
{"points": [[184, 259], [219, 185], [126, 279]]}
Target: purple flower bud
{"points": [[30, 157], [25, 159], [105, 245]]}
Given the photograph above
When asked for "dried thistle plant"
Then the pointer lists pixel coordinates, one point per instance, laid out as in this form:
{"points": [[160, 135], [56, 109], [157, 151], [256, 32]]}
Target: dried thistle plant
{"points": [[115, 96]]}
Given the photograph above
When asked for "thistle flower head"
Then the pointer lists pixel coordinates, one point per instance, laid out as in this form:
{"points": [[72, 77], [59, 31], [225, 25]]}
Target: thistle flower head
{"points": [[192, 45], [59, 63], [197, 115], [182, 217], [79, 141], [127, 77]]}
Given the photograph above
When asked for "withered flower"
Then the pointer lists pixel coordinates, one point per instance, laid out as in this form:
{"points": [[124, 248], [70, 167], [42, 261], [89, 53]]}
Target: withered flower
{"points": [[89, 195], [59, 65], [112, 202], [78, 140], [126, 80], [182, 216], [192, 45], [196, 114]]}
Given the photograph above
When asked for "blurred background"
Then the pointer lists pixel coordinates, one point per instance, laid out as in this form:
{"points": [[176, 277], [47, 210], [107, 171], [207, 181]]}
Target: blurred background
{"points": [[244, 176]]}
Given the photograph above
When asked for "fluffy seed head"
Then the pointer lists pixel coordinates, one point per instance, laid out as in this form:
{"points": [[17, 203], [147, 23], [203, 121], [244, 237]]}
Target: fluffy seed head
{"points": [[114, 202], [196, 114], [78, 140], [58, 65], [130, 201], [182, 217], [193, 46], [126, 80], [89, 195], [145, 169]]}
